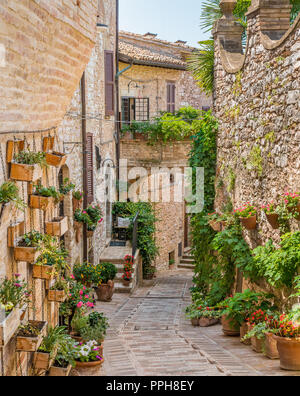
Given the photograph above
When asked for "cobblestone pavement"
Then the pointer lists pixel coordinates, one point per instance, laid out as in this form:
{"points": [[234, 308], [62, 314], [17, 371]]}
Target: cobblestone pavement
{"points": [[149, 335]]}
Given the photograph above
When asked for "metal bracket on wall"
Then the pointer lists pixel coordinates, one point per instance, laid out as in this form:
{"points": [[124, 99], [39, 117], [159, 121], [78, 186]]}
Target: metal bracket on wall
{"points": [[71, 143]]}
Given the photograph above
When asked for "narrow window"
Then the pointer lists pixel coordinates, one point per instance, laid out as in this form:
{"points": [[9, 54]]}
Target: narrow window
{"points": [[90, 168], [109, 83], [171, 97]]}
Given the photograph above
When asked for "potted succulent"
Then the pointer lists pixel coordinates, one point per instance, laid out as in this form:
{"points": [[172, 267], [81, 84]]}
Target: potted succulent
{"points": [[14, 296], [247, 214], [46, 353], [292, 201], [59, 291], [272, 216], [27, 166], [104, 277], [30, 336], [44, 197], [87, 355], [9, 192], [28, 246]]}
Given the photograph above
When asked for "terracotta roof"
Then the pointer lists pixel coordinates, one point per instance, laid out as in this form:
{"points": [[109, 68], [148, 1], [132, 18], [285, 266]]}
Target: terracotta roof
{"points": [[151, 51]]}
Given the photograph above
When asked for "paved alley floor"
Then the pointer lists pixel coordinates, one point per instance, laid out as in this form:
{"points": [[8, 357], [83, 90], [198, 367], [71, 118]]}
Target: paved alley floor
{"points": [[149, 335]]}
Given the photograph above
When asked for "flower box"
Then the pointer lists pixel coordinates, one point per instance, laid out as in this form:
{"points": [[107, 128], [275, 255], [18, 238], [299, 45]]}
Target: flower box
{"points": [[249, 222], [273, 220], [26, 254], [56, 159], [43, 360], [57, 227], [43, 271], [56, 371], [39, 202], [48, 143], [10, 325], [31, 344], [57, 295], [23, 172]]}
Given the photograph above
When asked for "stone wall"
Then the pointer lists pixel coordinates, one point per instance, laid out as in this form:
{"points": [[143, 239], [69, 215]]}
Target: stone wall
{"points": [[171, 215], [257, 98]]}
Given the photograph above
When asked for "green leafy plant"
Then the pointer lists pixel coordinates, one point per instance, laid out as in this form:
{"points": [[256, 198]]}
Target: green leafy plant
{"points": [[247, 210], [91, 216], [47, 192], [9, 192], [13, 292], [104, 273], [84, 273], [78, 195], [61, 284], [35, 239], [56, 336], [88, 352], [66, 187], [31, 158]]}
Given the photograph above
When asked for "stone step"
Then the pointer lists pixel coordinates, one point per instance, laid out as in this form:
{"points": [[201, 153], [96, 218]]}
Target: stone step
{"points": [[120, 288], [188, 256], [186, 266], [120, 267], [187, 261]]}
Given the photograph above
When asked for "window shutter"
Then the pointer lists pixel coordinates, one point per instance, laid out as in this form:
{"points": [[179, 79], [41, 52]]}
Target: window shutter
{"points": [[171, 97], [109, 83], [90, 167]]}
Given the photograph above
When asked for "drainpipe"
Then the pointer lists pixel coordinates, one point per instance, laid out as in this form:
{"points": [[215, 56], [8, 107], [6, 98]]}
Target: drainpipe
{"points": [[84, 161], [117, 98]]}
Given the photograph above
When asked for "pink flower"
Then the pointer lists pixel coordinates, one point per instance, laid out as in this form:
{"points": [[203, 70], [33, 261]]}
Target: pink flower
{"points": [[81, 292], [80, 304], [17, 275], [18, 285], [87, 296], [99, 357], [72, 276]]}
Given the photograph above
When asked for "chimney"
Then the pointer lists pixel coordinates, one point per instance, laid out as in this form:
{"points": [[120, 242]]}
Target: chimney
{"points": [[150, 35], [181, 42]]}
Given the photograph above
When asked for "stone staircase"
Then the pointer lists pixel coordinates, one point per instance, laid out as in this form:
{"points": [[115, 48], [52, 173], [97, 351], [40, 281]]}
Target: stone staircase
{"points": [[187, 261]]}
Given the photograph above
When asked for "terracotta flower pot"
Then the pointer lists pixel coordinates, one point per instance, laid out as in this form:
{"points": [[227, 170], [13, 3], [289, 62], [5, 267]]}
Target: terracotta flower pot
{"points": [[105, 292], [216, 225], [230, 328], [289, 353], [257, 344], [273, 220], [89, 364], [195, 322], [126, 282], [77, 204], [207, 322], [271, 347], [243, 331], [249, 223]]}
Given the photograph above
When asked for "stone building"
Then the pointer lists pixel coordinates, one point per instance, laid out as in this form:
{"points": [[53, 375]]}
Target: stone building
{"points": [[257, 97], [154, 78]]}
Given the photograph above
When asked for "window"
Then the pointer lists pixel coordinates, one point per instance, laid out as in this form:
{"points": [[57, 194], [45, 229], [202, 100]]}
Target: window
{"points": [[109, 83], [171, 97], [89, 166], [135, 109]]}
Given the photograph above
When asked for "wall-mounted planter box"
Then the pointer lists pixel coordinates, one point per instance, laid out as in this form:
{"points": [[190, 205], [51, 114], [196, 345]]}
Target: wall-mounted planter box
{"points": [[43, 361], [43, 272], [77, 204], [56, 159], [57, 295], [57, 227], [249, 223], [216, 225], [42, 203], [31, 344], [48, 143], [59, 371], [28, 173], [9, 326], [13, 146], [26, 254], [273, 220]]}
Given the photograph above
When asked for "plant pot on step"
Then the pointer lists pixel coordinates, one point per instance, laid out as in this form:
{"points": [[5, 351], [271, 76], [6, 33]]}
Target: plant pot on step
{"points": [[257, 344], [271, 347], [126, 283], [207, 322], [57, 227], [57, 295], [42, 203], [27, 173], [32, 343], [9, 326], [56, 159], [243, 331], [230, 328], [43, 271], [249, 223], [26, 254], [105, 291], [273, 220], [56, 371], [289, 353]]}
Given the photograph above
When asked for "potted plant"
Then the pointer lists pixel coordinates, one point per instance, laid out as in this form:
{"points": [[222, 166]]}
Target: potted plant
{"points": [[30, 336], [59, 291], [77, 200], [89, 327], [56, 159], [57, 227], [51, 261], [9, 192], [209, 316], [14, 295], [66, 187], [91, 216], [127, 270], [288, 340], [104, 276], [87, 355], [193, 314], [148, 272], [65, 358], [43, 197], [292, 201], [247, 214], [28, 247], [214, 221], [27, 166], [46, 353], [85, 273], [272, 216]]}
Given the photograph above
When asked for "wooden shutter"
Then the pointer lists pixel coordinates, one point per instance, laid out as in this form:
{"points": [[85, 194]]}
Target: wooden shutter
{"points": [[109, 83], [171, 97], [90, 167]]}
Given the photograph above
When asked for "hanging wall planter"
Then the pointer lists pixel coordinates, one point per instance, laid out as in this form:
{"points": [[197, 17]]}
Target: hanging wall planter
{"points": [[56, 159], [23, 172], [57, 227], [216, 225], [43, 360], [57, 295], [39, 202], [43, 271], [273, 220], [56, 371], [9, 326], [31, 343], [78, 230], [26, 254], [249, 223], [77, 204]]}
